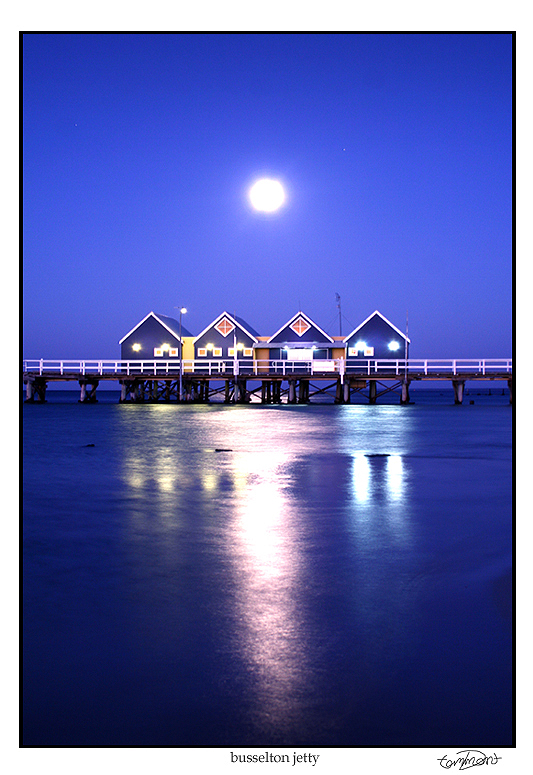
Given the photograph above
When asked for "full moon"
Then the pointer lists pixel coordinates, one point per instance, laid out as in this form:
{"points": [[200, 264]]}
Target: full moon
{"points": [[267, 195]]}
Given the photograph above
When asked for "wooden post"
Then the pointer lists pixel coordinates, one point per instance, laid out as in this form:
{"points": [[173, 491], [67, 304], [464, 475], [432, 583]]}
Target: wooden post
{"points": [[292, 392], [339, 392], [240, 385], [40, 388], [510, 386], [226, 392], [123, 392], [346, 388], [405, 392], [304, 391], [29, 390], [372, 391], [458, 389], [83, 392], [91, 395]]}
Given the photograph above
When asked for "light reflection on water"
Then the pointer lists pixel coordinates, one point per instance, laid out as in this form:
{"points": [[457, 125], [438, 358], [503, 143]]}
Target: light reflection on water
{"points": [[282, 558], [380, 485], [266, 560]]}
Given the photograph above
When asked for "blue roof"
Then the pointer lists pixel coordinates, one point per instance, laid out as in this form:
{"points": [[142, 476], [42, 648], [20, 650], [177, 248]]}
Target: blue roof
{"points": [[246, 325], [173, 324]]}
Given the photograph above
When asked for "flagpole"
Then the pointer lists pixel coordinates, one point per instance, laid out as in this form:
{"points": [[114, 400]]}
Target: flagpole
{"points": [[406, 338]]}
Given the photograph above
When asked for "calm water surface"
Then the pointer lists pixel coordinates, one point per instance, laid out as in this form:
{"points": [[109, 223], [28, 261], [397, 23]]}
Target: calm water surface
{"points": [[210, 575]]}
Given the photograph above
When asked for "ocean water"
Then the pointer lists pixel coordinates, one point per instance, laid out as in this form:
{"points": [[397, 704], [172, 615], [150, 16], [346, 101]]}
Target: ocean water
{"points": [[267, 575]]}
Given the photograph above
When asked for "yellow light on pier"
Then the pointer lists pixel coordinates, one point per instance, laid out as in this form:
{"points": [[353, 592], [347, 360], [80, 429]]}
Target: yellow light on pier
{"points": [[136, 347]]}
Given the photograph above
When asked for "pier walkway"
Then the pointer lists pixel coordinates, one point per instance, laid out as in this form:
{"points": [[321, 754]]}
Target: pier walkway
{"points": [[244, 380]]}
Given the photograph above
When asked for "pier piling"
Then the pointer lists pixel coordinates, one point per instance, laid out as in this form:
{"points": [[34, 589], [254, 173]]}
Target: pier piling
{"points": [[405, 392], [292, 391], [36, 388], [29, 390], [151, 382], [346, 392], [458, 389]]}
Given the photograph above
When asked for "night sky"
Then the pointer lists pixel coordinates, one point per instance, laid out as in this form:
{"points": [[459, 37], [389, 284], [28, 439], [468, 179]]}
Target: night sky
{"points": [[395, 151]]}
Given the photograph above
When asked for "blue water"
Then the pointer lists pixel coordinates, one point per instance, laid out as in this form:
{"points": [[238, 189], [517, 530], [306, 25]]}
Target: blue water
{"points": [[338, 575]]}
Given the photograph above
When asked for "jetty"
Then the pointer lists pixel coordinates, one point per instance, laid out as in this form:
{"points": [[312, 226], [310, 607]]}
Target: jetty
{"points": [[246, 381]]}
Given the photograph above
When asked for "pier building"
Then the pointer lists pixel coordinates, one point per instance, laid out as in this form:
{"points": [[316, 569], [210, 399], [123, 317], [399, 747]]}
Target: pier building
{"points": [[299, 339], [154, 337], [229, 360], [226, 337], [376, 337]]}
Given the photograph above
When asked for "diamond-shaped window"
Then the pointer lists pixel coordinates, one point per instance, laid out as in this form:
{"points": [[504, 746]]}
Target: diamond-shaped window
{"points": [[224, 327], [300, 326]]}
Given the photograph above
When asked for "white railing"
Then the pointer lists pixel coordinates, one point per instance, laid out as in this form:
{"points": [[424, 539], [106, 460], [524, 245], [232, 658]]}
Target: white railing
{"points": [[431, 366], [229, 367]]}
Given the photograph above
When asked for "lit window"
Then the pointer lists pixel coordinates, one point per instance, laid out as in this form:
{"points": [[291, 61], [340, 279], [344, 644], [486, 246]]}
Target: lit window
{"points": [[300, 354], [158, 352], [352, 351], [231, 352], [174, 352], [136, 347], [369, 352], [248, 352], [217, 352], [202, 352], [394, 345]]}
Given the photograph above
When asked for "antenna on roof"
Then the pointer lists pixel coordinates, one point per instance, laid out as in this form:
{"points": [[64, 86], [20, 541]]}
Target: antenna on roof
{"points": [[338, 298]]}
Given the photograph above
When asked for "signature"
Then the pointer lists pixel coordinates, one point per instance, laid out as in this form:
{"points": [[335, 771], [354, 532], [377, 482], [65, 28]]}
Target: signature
{"points": [[470, 757]]}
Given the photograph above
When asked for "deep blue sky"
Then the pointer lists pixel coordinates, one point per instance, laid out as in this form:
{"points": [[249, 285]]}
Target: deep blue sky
{"points": [[395, 151]]}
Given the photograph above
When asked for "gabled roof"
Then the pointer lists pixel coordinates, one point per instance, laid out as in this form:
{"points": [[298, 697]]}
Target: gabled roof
{"points": [[171, 325], [237, 322], [294, 317], [377, 312], [246, 327]]}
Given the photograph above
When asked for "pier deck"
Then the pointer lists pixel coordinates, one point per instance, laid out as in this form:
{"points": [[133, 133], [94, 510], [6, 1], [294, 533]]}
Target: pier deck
{"points": [[239, 381]]}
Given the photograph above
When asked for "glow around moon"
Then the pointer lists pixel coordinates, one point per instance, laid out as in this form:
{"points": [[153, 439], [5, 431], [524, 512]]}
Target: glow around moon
{"points": [[267, 195]]}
